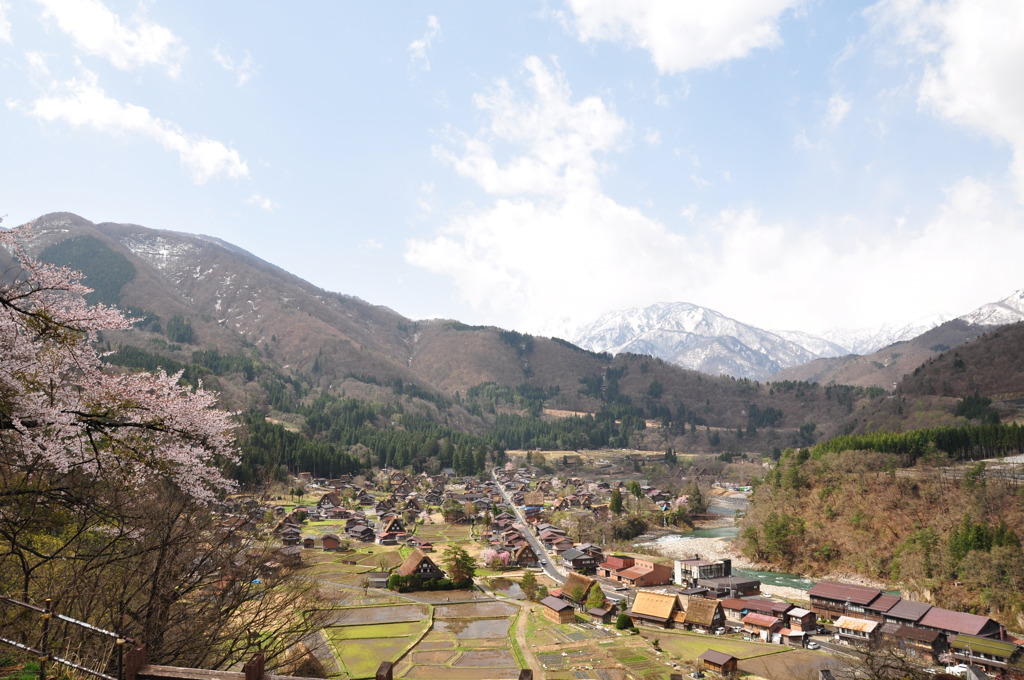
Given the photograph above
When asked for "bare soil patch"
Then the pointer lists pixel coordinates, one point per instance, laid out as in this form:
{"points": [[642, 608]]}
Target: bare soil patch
{"points": [[487, 659], [435, 644], [470, 673], [798, 664], [438, 658], [389, 559], [450, 596]]}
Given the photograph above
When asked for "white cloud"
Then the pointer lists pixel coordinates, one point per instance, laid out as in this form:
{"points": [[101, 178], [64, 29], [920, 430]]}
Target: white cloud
{"points": [[557, 233], [81, 102], [262, 202], [683, 35], [372, 244], [973, 59], [533, 252], [418, 48], [37, 66], [5, 24], [98, 31], [560, 138], [837, 110], [756, 265], [652, 137], [244, 69], [425, 202], [699, 181]]}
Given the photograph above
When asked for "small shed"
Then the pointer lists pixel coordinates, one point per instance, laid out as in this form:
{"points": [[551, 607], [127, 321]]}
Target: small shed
{"points": [[718, 662], [602, 614], [290, 556], [377, 579], [558, 610]]}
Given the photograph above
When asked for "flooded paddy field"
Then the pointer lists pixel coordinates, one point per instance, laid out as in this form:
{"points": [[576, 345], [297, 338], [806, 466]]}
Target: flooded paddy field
{"points": [[475, 610]]}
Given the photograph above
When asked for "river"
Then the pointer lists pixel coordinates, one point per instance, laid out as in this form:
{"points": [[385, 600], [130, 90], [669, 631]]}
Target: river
{"points": [[715, 543]]}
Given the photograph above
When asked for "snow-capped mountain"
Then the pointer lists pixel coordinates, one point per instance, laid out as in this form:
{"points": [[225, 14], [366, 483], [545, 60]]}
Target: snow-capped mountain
{"points": [[704, 340], [1008, 310], [700, 338], [821, 347], [868, 340]]}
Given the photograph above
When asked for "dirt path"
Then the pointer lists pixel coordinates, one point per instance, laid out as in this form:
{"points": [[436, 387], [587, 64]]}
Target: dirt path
{"points": [[525, 612]]}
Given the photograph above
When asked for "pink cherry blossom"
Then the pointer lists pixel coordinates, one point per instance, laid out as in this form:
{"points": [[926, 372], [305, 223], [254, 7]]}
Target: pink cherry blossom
{"points": [[62, 410]]}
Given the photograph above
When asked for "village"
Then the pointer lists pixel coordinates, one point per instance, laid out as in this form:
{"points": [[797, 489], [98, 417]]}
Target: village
{"points": [[382, 543]]}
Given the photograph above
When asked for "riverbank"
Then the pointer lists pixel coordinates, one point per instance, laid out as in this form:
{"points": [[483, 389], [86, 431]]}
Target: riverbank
{"points": [[682, 547]]}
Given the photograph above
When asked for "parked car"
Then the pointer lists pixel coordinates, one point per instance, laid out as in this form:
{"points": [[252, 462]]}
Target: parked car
{"points": [[813, 645]]}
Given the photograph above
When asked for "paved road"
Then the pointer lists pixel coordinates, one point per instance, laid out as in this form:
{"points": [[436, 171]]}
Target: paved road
{"points": [[534, 542], [538, 548]]}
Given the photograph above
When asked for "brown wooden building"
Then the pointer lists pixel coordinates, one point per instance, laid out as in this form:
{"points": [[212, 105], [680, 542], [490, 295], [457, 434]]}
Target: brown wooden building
{"points": [[718, 662], [558, 610]]}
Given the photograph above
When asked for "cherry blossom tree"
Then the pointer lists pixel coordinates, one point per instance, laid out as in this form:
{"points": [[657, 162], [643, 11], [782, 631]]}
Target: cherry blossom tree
{"points": [[488, 555], [62, 413], [107, 480]]}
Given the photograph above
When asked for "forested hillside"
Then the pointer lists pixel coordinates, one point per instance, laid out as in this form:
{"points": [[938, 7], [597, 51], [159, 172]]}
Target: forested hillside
{"points": [[992, 366], [341, 384], [332, 383], [949, 534], [919, 495]]}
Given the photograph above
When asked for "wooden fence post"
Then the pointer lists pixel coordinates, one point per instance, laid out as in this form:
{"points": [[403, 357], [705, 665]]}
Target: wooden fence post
{"points": [[44, 644], [137, 658], [385, 670], [254, 668]]}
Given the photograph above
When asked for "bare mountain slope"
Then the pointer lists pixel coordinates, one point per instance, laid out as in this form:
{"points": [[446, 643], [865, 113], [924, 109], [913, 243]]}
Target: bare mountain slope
{"points": [[289, 330], [887, 366]]}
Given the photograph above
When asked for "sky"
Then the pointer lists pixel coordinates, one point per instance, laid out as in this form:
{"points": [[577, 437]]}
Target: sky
{"points": [[795, 165]]}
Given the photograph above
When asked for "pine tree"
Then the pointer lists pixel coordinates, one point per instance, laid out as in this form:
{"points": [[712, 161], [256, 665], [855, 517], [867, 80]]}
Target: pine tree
{"points": [[528, 584], [615, 504]]}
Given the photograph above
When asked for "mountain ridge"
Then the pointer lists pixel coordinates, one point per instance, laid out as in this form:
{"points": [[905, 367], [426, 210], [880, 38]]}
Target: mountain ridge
{"points": [[300, 345], [703, 339]]}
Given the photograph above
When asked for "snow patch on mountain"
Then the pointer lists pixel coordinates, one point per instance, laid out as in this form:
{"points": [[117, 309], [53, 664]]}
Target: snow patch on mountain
{"points": [[820, 346], [160, 252], [695, 337], [869, 340], [1008, 310]]}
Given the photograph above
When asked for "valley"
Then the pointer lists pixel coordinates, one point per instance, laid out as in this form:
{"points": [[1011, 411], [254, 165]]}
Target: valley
{"points": [[378, 422]]}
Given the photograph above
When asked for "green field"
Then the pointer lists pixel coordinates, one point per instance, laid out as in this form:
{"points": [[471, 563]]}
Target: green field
{"points": [[361, 658]]}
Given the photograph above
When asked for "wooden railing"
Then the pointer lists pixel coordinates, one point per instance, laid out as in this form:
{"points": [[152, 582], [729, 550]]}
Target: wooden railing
{"points": [[43, 651]]}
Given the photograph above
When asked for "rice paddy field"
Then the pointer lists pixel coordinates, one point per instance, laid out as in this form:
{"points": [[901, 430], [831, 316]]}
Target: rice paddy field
{"points": [[461, 638], [471, 635]]}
